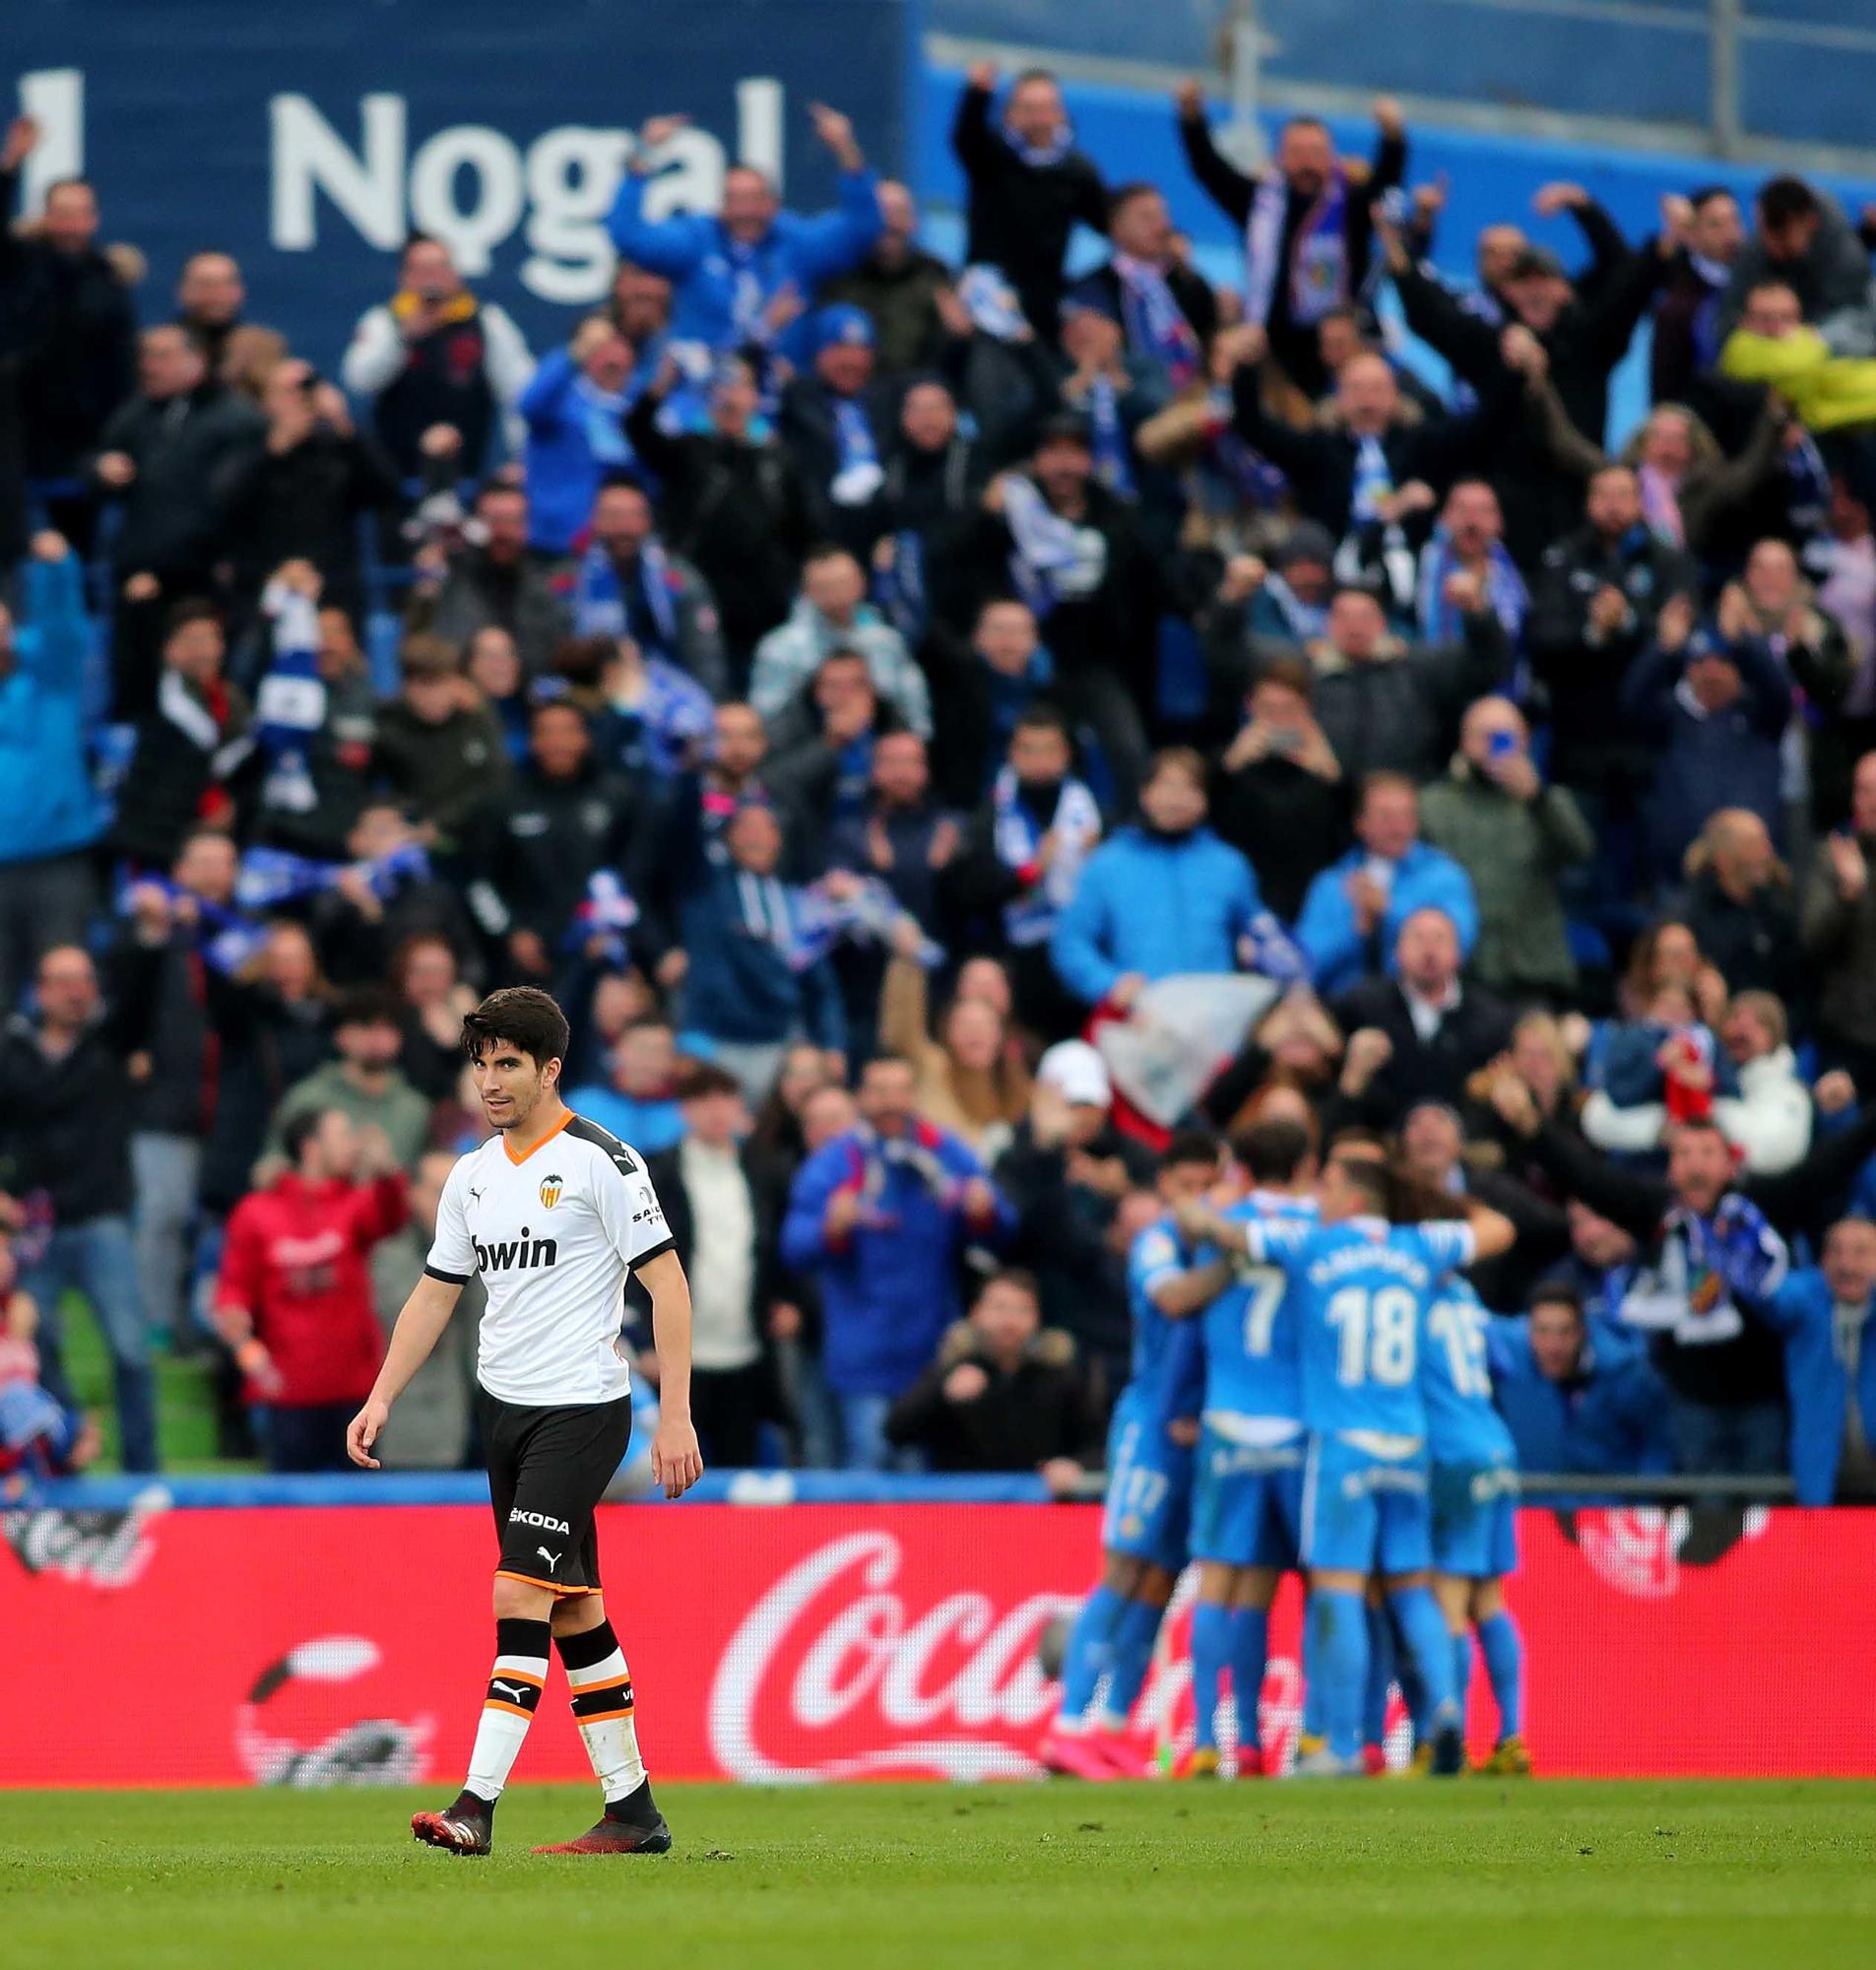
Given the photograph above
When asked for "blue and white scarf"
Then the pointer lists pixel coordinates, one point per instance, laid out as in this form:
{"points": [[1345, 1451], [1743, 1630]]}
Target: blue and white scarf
{"points": [[856, 471], [291, 705], [1440, 619], [1052, 560], [1017, 841], [601, 415], [1268, 949], [270, 877], [1318, 253], [1112, 466], [899, 588], [1154, 323], [1042, 156], [1373, 481], [226, 939], [606, 912], [1714, 280], [992, 304], [1808, 501], [1306, 622], [600, 607], [671, 715]]}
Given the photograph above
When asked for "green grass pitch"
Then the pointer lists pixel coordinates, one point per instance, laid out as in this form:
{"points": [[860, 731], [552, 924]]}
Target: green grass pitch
{"points": [[1392, 1874]]}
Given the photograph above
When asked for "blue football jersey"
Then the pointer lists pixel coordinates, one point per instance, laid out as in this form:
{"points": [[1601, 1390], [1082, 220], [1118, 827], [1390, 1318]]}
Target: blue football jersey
{"points": [[1168, 1377], [1362, 1290], [1249, 1329], [1456, 1382]]}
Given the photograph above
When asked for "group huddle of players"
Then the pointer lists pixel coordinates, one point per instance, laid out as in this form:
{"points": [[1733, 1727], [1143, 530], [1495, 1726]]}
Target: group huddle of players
{"points": [[1310, 1394]]}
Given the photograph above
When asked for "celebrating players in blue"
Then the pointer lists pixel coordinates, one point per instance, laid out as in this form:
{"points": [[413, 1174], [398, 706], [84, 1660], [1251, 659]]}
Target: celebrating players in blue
{"points": [[1364, 1289], [1149, 1481], [1474, 1496], [1247, 1489]]}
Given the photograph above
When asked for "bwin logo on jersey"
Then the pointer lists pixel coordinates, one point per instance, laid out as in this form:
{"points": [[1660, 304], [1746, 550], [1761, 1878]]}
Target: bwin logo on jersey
{"points": [[549, 1191], [521, 1254]]}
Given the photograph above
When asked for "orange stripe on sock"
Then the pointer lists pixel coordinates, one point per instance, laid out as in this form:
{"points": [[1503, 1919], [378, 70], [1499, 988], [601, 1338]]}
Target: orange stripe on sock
{"points": [[583, 1719], [593, 1689], [513, 1709], [519, 1675]]}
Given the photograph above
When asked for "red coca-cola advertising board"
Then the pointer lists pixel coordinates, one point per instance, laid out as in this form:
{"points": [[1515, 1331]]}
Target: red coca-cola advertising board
{"points": [[326, 1645]]}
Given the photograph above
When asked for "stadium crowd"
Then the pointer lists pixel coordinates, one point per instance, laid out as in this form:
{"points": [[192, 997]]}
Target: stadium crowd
{"points": [[938, 730]]}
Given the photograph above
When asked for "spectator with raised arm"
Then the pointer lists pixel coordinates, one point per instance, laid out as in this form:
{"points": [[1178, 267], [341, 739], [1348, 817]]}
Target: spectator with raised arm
{"points": [[903, 291], [436, 353], [1305, 223], [574, 410], [740, 274], [1823, 1314], [1803, 239], [880, 1217], [1028, 186]]}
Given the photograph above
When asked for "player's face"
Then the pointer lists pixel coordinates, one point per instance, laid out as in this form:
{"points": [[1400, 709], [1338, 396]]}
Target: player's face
{"points": [[510, 1085], [1187, 1183]]}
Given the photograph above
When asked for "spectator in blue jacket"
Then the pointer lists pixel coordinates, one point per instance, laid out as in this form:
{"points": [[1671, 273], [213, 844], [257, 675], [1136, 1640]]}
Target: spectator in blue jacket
{"points": [[753, 976], [1827, 1315], [1577, 1399], [879, 1216], [1352, 913], [1715, 704], [1161, 898], [574, 410], [48, 815], [740, 278]]}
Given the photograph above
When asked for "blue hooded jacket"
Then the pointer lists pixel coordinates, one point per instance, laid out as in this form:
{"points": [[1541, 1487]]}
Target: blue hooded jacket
{"points": [[1425, 878], [1155, 905], [1817, 1380], [1611, 1416], [697, 256], [46, 803], [889, 1289], [563, 467]]}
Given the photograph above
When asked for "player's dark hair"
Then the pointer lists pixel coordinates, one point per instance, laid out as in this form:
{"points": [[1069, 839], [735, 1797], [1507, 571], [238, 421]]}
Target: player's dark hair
{"points": [[1783, 199], [298, 1130], [1557, 1292], [1190, 1146], [523, 1015], [364, 1006], [1273, 1151]]}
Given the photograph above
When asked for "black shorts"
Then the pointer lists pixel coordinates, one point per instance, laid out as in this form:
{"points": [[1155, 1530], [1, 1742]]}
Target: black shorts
{"points": [[547, 1471]]}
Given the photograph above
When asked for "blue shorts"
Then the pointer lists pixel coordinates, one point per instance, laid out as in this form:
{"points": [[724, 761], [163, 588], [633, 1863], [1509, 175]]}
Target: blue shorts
{"points": [[1476, 1520], [1148, 1510], [1246, 1505], [1363, 1513]]}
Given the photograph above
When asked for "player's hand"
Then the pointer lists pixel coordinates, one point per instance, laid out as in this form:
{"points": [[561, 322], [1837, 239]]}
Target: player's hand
{"points": [[675, 1460], [361, 1432]]}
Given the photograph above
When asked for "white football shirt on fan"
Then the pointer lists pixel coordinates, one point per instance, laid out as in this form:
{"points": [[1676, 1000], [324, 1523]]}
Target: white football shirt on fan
{"points": [[554, 1235]]}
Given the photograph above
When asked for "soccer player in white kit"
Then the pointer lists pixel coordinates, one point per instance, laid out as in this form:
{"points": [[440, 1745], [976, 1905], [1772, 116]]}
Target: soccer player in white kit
{"points": [[553, 1213]]}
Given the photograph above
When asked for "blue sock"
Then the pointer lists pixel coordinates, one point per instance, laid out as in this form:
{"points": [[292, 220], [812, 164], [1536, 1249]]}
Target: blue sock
{"points": [[1086, 1657], [1504, 1649], [1380, 1675], [1250, 1654], [1413, 1690], [1211, 1658], [1130, 1656], [1341, 1662], [1424, 1631], [1462, 1669]]}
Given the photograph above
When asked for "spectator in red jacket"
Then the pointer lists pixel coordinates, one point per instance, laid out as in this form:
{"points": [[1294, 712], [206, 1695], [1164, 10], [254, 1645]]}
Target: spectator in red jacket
{"points": [[295, 1297]]}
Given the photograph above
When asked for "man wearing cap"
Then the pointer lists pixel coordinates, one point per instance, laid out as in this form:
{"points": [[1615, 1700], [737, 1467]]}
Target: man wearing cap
{"points": [[1065, 1175], [740, 276], [835, 425]]}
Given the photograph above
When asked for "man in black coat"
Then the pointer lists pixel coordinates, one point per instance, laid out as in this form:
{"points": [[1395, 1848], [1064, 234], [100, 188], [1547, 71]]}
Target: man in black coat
{"points": [[1168, 312], [1312, 266], [1029, 187], [83, 361], [1414, 1037], [924, 517], [1005, 1394], [834, 422]]}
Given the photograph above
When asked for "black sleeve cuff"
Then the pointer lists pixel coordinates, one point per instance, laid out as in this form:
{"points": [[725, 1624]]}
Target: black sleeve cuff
{"points": [[448, 1278], [655, 1252]]}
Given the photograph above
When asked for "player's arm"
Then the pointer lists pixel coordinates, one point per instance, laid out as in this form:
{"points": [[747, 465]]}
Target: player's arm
{"points": [[419, 1328], [1493, 1233], [1179, 1295], [677, 1462]]}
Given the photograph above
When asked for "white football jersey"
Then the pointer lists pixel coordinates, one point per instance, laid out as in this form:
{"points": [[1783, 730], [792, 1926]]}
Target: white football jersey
{"points": [[554, 1235]]}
